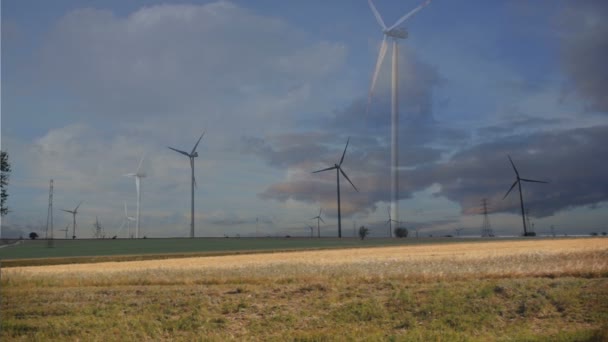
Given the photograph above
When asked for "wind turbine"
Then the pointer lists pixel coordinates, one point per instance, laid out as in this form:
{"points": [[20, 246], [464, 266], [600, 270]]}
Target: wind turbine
{"points": [[193, 154], [338, 168], [390, 222], [517, 182], [126, 220], [138, 175], [318, 218], [312, 229], [458, 230], [395, 33], [73, 212], [65, 230]]}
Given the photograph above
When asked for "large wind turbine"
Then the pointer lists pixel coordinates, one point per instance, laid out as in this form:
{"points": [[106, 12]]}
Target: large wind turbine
{"points": [[394, 33], [517, 182], [318, 218], [138, 175], [193, 154], [338, 168], [73, 212]]}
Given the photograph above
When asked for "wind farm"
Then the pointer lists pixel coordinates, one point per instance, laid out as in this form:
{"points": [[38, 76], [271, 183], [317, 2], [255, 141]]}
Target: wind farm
{"points": [[258, 241]]}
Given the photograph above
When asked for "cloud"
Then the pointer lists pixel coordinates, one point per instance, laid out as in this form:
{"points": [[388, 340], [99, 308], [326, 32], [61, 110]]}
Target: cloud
{"points": [[584, 50], [185, 60], [477, 172], [483, 171]]}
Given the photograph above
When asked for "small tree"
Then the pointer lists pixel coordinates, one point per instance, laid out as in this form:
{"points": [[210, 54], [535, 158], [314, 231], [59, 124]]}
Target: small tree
{"points": [[401, 232], [604, 233], [593, 233], [363, 232], [33, 235], [5, 170]]}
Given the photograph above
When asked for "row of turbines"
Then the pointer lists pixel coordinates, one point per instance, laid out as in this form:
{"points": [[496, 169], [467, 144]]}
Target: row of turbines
{"points": [[138, 175], [393, 32]]}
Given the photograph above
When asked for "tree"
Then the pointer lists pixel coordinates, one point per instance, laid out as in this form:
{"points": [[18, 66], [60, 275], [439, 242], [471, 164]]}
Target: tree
{"points": [[363, 232], [5, 170], [33, 236], [401, 232]]}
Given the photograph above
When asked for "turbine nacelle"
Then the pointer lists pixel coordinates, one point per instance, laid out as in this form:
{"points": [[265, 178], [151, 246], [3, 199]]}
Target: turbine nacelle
{"points": [[398, 33], [194, 155]]}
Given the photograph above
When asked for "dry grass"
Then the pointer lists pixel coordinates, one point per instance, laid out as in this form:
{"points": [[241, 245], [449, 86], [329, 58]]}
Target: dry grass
{"points": [[511, 290], [443, 261]]}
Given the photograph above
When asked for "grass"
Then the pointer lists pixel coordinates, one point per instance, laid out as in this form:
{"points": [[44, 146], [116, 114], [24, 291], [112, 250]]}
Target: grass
{"points": [[500, 291], [37, 252]]}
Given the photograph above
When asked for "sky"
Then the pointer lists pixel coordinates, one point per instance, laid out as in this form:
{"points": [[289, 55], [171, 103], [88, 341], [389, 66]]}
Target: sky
{"points": [[88, 87]]}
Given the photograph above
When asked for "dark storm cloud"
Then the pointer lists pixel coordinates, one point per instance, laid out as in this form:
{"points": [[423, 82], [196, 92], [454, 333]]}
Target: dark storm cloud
{"points": [[584, 50], [516, 124], [572, 161]]}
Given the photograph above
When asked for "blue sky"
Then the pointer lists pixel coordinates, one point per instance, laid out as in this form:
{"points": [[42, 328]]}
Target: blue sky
{"points": [[89, 86]]}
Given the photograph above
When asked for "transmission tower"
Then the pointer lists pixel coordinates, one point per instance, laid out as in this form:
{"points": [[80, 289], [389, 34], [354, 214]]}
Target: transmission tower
{"points": [[49, 218], [98, 229], [486, 228]]}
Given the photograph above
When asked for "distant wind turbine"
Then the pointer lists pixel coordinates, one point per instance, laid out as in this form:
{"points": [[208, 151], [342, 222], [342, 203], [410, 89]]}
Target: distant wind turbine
{"points": [[338, 168], [65, 230], [126, 221], [458, 230], [395, 33], [312, 229], [517, 182], [390, 222], [193, 154], [138, 175], [318, 218], [73, 212]]}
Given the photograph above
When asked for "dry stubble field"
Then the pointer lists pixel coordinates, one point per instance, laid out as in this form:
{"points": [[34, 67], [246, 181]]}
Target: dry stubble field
{"points": [[540, 289]]}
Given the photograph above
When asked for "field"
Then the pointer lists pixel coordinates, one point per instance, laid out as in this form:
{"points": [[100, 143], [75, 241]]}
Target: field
{"points": [[37, 252], [534, 290]]}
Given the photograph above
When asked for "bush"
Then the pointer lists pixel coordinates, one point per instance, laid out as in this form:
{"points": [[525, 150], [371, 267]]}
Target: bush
{"points": [[33, 236], [401, 232], [363, 232]]}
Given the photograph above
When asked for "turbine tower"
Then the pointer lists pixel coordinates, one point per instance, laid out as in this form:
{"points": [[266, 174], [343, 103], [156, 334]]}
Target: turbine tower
{"points": [[395, 33], [73, 212], [193, 154], [338, 168], [318, 218], [517, 182], [138, 175]]}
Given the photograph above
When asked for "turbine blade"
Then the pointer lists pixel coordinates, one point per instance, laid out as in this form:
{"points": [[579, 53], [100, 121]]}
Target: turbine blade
{"points": [[533, 181], [329, 168], [345, 176], [381, 54], [196, 145], [140, 162], [410, 14], [126, 214], [320, 218], [513, 164], [78, 206], [376, 14], [130, 174], [178, 151], [512, 186], [67, 211], [320, 209], [344, 153]]}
